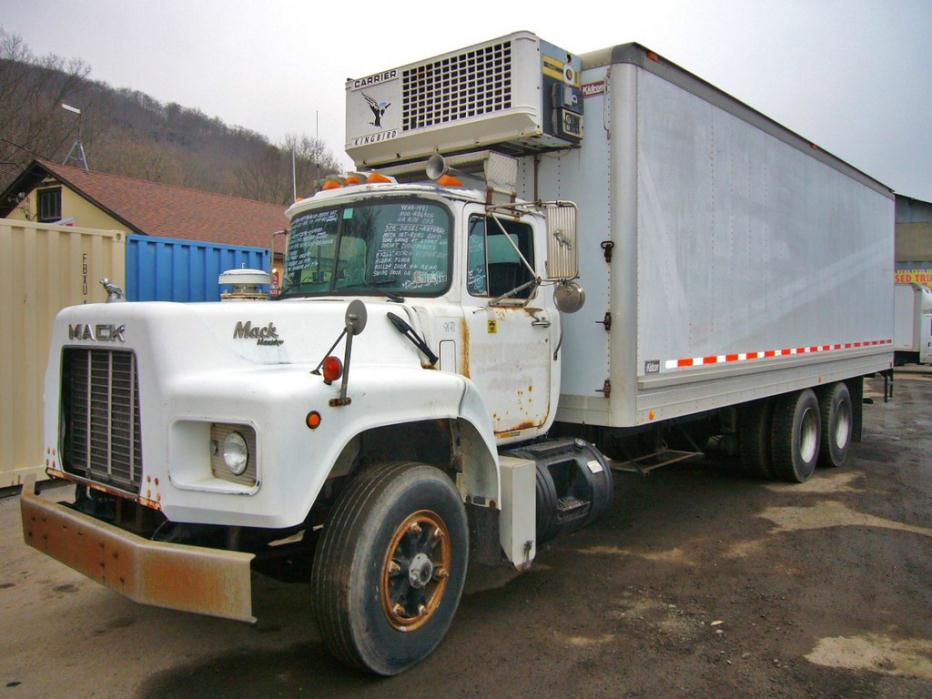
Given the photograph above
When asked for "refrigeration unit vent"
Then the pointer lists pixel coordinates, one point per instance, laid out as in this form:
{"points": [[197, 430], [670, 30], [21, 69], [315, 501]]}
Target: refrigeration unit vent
{"points": [[516, 94], [468, 84]]}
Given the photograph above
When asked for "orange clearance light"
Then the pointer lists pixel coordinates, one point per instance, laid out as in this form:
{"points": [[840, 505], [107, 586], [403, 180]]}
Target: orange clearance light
{"points": [[449, 181], [377, 178], [353, 179], [332, 369], [331, 184], [653, 57], [313, 419]]}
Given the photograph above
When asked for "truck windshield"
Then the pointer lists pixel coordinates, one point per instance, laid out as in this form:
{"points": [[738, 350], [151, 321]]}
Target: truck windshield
{"points": [[380, 247]]}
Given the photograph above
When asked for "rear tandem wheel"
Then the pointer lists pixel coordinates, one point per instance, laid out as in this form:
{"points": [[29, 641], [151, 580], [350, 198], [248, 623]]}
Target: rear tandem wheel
{"points": [[795, 435]]}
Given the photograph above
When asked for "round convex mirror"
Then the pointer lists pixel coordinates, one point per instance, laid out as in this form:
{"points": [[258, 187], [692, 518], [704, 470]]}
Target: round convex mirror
{"points": [[356, 317], [569, 296]]}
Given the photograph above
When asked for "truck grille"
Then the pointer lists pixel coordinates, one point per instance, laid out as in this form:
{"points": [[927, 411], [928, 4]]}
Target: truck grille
{"points": [[465, 85], [100, 416]]}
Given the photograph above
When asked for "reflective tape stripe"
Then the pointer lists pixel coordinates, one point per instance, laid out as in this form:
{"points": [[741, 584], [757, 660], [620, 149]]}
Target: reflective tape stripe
{"points": [[768, 354]]}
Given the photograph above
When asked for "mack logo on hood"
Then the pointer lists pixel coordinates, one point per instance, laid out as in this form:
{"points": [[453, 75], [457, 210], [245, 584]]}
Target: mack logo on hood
{"points": [[99, 333], [266, 335]]}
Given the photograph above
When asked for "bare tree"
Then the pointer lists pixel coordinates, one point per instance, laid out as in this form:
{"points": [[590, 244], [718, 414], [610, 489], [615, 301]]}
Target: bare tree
{"points": [[127, 132], [32, 122], [267, 175]]}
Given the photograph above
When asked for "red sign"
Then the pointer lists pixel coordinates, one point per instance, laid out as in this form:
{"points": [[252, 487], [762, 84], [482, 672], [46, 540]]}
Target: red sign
{"points": [[593, 89]]}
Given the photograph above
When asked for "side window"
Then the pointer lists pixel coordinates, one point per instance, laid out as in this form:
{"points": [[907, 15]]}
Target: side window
{"points": [[476, 279], [49, 205], [493, 266]]}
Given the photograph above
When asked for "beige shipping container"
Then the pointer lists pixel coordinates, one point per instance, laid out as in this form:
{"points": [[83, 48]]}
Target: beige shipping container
{"points": [[43, 268]]}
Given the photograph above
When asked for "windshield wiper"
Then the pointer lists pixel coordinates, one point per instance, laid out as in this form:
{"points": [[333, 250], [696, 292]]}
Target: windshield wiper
{"points": [[406, 330]]}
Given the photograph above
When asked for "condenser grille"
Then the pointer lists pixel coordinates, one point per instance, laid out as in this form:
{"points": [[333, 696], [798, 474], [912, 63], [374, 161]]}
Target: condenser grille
{"points": [[469, 84]]}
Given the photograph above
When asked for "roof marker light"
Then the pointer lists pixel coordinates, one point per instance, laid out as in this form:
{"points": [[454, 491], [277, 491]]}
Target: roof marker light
{"points": [[449, 181], [379, 178], [355, 178]]}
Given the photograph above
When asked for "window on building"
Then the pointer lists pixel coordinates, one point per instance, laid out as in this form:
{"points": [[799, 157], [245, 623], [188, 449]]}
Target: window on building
{"points": [[49, 205]]}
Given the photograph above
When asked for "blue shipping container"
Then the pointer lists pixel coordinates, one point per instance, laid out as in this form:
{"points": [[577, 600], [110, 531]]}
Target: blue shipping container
{"points": [[171, 269]]}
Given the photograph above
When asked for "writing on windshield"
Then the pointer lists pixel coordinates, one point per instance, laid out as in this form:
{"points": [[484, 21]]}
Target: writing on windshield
{"points": [[388, 246]]}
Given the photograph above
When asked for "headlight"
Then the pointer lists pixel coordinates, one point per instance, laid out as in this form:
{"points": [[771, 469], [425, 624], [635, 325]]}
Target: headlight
{"points": [[235, 453]]}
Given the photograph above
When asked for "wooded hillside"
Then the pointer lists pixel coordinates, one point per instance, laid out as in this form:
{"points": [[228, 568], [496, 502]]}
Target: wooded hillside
{"points": [[127, 132]]}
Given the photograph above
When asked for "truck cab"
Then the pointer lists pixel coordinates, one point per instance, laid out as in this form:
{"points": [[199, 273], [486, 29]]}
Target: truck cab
{"points": [[464, 278]]}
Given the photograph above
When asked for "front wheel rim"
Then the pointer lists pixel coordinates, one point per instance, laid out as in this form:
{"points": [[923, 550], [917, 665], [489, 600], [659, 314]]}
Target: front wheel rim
{"points": [[416, 570]]}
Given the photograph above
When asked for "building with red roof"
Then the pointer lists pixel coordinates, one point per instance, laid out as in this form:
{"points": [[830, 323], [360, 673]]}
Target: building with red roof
{"points": [[52, 193]]}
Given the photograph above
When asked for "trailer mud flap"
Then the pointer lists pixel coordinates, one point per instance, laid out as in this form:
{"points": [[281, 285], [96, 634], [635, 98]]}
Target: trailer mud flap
{"points": [[174, 576]]}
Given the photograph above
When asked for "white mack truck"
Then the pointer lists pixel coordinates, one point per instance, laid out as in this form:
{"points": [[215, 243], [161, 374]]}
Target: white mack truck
{"points": [[430, 388]]}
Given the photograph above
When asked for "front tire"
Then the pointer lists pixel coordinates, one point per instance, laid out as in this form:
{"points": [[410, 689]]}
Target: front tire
{"points": [[389, 570], [795, 436]]}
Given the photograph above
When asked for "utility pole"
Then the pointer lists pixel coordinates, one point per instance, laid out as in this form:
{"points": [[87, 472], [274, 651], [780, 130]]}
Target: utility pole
{"points": [[294, 178], [80, 156]]}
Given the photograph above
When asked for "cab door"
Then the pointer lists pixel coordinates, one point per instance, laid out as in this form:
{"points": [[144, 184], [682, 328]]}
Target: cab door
{"points": [[510, 342]]}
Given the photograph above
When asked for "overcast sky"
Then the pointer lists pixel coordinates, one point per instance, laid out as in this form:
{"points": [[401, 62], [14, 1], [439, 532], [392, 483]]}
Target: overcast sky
{"points": [[854, 76]]}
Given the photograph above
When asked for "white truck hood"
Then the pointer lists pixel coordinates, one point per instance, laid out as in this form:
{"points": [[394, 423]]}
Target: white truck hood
{"points": [[200, 336]]}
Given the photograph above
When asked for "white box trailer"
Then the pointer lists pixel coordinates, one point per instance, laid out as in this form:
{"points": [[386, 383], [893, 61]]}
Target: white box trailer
{"points": [[912, 335], [724, 257], [733, 258]]}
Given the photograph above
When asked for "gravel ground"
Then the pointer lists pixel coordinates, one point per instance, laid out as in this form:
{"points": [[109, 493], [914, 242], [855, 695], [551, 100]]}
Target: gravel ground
{"points": [[699, 582]]}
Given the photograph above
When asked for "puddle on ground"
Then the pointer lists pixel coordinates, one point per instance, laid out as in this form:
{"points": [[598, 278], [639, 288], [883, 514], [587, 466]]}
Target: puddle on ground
{"points": [[675, 555], [831, 513], [910, 657], [838, 482]]}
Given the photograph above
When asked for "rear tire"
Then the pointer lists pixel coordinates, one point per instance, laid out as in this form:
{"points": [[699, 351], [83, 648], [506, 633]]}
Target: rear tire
{"points": [[795, 436], [389, 570], [754, 429], [837, 425]]}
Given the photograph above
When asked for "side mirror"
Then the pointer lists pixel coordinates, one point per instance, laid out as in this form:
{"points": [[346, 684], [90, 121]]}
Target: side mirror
{"points": [[562, 261], [569, 296], [355, 318]]}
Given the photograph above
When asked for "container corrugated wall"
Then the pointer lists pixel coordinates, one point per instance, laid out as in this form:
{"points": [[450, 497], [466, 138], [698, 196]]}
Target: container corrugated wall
{"points": [[43, 268], [170, 269]]}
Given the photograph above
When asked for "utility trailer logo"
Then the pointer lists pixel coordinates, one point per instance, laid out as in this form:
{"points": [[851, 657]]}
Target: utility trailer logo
{"points": [[593, 89], [267, 335], [97, 333]]}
